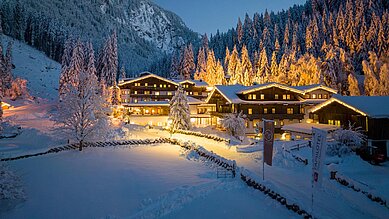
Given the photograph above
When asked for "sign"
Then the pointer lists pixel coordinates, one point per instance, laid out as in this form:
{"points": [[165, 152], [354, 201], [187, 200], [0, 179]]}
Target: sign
{"points": [[319, 146], [268, 140]]}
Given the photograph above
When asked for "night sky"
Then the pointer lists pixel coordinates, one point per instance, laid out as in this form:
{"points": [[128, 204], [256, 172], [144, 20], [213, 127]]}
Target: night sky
{"points": [[206, 16]]}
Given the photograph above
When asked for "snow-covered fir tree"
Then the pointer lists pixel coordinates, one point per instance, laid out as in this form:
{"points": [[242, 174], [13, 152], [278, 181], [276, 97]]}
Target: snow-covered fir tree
{"points": [[107, 64], [188, 64], [179, 111], [201, 65], [115, 95], [122, 73], [353, 87]]}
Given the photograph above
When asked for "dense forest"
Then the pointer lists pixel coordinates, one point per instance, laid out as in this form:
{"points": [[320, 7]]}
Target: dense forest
{"points": [[342, 44]]}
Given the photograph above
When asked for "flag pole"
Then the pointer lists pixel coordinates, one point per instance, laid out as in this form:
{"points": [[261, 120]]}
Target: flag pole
{"points": [[263, 155]]}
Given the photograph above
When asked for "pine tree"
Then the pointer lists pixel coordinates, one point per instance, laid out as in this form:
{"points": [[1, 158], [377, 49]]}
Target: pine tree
{"points": [[115, 95], [274, 67], [384, 79], [123, 73], [188, 67], [247, 68], [371, 82], [211, 69], [234, 67], [90, 62], [263, 71], [107, 65], [239, 31], [201, 65], [179, 111], [220, 78], [353, 86]]}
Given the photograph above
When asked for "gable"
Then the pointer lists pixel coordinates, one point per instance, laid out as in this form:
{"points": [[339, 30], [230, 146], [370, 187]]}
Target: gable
{"points": [[270, 93], [217, 97], [149, 81]]}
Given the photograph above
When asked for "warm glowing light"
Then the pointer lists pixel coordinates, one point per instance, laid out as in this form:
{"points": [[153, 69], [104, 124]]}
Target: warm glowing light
{"points": [[283, 136], [147, 111], [192, 120]]}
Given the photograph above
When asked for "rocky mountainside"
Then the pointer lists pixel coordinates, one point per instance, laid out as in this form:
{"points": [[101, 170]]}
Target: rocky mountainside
{"points": [[145, 30]]}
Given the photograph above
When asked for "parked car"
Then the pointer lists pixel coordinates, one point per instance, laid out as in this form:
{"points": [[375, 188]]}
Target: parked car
{"points": [[371, 154]]}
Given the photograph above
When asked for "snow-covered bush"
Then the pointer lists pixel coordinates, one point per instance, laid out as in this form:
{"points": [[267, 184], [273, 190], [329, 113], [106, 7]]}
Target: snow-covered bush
{"points": [[18, 89], [234, 123], [346, 140], [179, 111], [11, 187]]}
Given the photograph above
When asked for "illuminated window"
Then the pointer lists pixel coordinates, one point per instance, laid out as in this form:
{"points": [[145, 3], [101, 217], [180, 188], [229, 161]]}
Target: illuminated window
{"points": [[288, 96], [157, 93], [273, 110], [313, 96], [302, 110], [337, 123], [146, 84], [169, 93], [137, 84], [254, 96], [289, 110], [325, 96], [282, 122], [161, 85], [155, 85], [250, 111], [250, 97], [164, 85], [169, 85], [135, 92], [262, 96], [275, 122], [330, 122], [276, 96], [264, 110], [196, 93], [147, 92], [319, 96], [135, 100]]}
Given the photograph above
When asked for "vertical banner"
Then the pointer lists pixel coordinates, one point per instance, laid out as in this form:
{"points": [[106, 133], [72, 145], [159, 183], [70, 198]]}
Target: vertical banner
{"points": [[268, 140], [319, 146]]}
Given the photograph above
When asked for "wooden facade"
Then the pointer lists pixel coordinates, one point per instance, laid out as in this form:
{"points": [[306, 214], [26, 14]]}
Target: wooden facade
{"points": [[376, 127], [274, 101]]}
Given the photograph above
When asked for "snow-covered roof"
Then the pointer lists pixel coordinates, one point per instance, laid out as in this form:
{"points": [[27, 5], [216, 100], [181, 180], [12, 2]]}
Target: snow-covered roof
{"points": [[197, 83], [312, 87], [229, 92], [148, 75], [269, 85], [192, 100], [371, 106], [306, 128]]}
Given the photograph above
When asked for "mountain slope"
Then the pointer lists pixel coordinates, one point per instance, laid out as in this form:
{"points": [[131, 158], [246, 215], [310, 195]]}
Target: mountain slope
{"points": [[145, 30], [41, 72]]}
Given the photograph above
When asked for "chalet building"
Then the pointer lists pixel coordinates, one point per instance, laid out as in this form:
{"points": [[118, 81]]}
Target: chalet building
{"points": [[371, 113], [146, 98], [281, 103]]}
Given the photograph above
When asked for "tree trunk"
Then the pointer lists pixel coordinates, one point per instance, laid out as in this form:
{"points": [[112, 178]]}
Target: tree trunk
{"points": [[80, 148]]}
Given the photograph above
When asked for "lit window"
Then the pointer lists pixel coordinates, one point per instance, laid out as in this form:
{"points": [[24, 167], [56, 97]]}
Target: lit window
{"points": [[264, 110], [137, 84], [313, 96], [147, 92], [157, 93], [135, 100], [325, 96], [284, 96], [135, 92], [250, 111], [169, 85], [196, 93], [319, 96], [250, 97], [273, 110], [254, 96], [155, 85], [190, 93], [169, 93], [164, 85], [161, 85], [302, 110], [288, 96], [330, 122], [282, 122], [262, 96], [146, 84], [337, 123], [276, 96], [275, 122], [289, 110]]}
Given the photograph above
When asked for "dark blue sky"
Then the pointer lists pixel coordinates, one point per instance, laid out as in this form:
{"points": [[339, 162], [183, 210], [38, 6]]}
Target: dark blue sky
{"points": [[209, 15]]}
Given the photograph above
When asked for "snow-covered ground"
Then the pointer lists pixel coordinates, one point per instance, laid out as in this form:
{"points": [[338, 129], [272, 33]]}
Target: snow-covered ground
{"points": [[147, 181]]}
